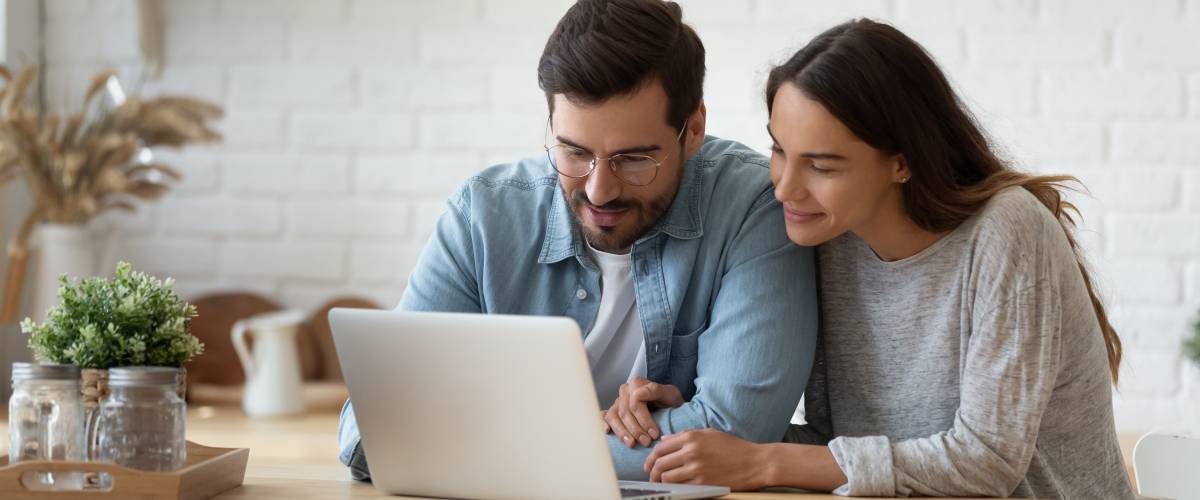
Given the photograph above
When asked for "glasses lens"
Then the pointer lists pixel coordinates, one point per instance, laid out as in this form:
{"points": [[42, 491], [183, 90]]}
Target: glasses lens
{"points": [[570, 161], [635, 169]]}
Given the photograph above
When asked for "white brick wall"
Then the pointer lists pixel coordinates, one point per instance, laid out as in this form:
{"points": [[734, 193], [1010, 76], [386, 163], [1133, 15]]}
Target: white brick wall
{"points": [[353, 217], [1034, 47], [285, 260], [284, 87], [350, 131], [268, 173], [1194, 95], [213, 216], [1193, 283], [350, 121], [1089, 94]]}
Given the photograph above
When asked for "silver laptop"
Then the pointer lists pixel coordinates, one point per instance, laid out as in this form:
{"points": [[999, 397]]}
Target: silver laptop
{"points": [[481, 406]]}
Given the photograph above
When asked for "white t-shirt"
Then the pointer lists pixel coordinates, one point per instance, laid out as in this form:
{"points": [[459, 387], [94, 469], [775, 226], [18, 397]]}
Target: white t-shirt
{"points": [[616, 345]]}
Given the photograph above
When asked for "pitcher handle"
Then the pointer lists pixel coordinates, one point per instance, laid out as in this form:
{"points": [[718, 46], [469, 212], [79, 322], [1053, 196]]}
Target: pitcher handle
{"points": [[243, 351]]}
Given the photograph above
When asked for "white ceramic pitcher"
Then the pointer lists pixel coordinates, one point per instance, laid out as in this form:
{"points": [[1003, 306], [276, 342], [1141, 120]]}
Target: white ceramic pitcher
{"points": [[273, 370]]}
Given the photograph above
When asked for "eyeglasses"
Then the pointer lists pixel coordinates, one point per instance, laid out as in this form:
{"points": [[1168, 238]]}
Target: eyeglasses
{"points": [[632, 169]]}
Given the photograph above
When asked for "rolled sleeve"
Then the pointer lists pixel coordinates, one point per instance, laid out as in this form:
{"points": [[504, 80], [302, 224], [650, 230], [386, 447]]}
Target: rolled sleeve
{"points": [[867, 464]]}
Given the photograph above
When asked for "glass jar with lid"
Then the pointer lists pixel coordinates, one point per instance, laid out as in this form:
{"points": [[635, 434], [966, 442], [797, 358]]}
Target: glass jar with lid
{"points": [[141, 423], [46, 420]]}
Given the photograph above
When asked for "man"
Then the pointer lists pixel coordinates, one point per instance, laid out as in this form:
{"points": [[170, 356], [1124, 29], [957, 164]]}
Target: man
{"points": [[666, 246]]}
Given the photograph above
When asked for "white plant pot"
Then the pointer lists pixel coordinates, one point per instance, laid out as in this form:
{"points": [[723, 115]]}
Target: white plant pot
{"points": [[62, 248]]}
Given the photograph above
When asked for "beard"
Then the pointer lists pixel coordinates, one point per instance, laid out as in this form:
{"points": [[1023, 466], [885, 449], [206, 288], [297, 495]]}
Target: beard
{"points": [[641, 217]]}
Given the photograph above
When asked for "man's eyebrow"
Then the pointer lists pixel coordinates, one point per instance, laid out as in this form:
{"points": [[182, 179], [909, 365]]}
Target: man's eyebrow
{"points": [[630, 150]]}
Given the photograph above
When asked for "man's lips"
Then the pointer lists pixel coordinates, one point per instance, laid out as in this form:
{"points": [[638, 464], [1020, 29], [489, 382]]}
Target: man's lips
{"points": [[605, 217]]}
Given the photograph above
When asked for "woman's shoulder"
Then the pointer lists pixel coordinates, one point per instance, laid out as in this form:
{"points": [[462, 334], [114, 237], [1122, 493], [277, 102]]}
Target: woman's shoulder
{"points": [[1014, 215], [1018, 237]]}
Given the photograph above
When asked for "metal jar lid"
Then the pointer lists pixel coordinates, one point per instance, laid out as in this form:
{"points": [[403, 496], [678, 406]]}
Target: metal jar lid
{"points": [[142, 375], [44, 371]]}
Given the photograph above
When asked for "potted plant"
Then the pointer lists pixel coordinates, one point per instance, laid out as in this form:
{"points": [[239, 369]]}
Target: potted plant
{"points": [[132, 319]]}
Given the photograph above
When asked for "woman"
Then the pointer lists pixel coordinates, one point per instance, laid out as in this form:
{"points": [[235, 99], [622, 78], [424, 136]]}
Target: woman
{"points": [[963, 350]]}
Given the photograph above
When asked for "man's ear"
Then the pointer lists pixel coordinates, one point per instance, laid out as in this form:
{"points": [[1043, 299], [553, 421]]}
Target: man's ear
{"points": [[695, 131]]}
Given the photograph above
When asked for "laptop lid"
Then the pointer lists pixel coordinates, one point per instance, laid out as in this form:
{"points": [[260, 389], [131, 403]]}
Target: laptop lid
{"points": [[473, 405]]}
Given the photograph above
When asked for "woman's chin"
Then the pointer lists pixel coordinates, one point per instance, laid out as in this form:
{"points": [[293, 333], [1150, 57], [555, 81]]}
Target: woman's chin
{"points": [[808, 237]]}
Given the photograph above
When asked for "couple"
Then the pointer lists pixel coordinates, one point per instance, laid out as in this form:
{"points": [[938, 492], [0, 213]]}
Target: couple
{"points": [[960, 348]]}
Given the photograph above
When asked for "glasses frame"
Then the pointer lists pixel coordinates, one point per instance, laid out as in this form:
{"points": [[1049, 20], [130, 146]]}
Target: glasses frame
{"points": [[596, 159]]}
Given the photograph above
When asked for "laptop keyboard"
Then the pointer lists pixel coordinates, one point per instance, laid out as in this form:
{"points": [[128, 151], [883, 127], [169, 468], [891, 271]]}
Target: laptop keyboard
{"points": [[636, 492]]}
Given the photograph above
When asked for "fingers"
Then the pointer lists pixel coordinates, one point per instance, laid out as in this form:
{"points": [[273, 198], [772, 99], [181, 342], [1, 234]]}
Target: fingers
{"points": [[687, 474], [630, 417], [664, 395], [607, 428], [669, 444], [667, 464], [639, 407], [617, 426], [636, 430]]}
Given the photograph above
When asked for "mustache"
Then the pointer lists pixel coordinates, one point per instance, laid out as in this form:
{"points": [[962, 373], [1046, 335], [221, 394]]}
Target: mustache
{"points": [[579, 197]]}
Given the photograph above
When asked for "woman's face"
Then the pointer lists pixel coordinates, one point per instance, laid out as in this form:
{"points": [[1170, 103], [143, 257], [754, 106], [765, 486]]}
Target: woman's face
{"points": [[828, 180]]}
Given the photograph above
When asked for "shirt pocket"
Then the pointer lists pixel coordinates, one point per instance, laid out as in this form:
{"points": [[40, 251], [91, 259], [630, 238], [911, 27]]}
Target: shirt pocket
{"points": [[685, 350]]}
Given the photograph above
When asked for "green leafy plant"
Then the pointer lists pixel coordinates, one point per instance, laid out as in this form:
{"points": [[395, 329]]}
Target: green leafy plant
{"points": [[1191, 346], [131, 320]]}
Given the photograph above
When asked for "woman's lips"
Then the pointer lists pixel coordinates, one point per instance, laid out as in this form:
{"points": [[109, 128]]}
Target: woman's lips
{"points": [[800, 216]]}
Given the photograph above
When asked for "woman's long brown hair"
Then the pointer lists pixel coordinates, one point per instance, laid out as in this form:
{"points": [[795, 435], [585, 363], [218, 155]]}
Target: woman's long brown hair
{"points": [[891, 94]]}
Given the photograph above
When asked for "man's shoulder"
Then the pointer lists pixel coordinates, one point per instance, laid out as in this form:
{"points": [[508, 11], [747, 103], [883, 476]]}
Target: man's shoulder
{"points": [[734, 174], [729, 154], [525, 182]]}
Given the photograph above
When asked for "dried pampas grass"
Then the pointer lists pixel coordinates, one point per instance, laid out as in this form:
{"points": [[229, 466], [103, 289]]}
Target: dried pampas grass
{"points": [[86, 163]]}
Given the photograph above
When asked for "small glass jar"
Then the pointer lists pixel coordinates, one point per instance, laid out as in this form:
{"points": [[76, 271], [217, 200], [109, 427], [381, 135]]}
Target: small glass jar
{"points": [[45, 420], [141, 423]]}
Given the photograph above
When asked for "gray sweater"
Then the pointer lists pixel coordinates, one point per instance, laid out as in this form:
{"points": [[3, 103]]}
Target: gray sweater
{"points": [[974, 368]]}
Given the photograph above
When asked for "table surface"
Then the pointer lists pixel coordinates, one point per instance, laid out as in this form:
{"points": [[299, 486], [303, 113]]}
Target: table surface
{"points": [[296, 457]]}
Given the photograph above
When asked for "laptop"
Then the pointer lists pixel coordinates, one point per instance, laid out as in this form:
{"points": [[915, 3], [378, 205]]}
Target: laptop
{"points": [[481, 406]]}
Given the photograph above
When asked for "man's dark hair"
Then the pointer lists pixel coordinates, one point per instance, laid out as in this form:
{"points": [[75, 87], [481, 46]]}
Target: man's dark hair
{"points": [[605, 48]]}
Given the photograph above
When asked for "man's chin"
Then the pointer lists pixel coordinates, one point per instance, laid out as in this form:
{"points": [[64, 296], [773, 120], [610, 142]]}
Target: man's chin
{"points": [[608, 239]]}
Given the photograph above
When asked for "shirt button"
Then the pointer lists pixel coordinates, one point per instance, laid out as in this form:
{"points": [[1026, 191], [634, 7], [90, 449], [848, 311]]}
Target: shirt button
{"points": [[581, 294]]}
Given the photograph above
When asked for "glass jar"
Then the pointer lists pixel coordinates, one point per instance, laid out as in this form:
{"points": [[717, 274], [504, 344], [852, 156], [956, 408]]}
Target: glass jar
{"points": [[45, 420], [141, 423]]}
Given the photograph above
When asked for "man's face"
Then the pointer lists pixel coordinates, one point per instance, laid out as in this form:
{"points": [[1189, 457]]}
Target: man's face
{"points": [[611, 212]]}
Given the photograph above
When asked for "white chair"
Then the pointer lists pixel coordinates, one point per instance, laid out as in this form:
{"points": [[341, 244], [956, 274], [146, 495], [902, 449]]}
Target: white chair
{"points": [[1167, 466]]}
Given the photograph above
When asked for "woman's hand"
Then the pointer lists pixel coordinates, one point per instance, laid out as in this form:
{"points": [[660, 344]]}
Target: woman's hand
{"points": [[710, 457], [629, 417]]}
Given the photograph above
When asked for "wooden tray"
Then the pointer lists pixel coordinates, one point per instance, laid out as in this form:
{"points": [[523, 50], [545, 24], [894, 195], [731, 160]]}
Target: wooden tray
{"points": [[207, 473]]}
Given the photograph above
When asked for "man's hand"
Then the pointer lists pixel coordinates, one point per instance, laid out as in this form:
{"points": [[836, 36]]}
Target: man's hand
{"points": [[629, 417]]}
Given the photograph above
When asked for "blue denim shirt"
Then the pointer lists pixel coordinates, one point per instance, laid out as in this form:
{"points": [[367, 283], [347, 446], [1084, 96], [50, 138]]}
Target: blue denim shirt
{"points": [[728, 304]]}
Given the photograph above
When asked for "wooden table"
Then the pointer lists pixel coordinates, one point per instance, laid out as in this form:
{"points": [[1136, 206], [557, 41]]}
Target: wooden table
{"points": [[296, 458]]}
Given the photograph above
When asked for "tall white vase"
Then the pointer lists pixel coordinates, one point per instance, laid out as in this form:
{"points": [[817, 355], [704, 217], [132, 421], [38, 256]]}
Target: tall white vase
{"points": [[62, 248]]}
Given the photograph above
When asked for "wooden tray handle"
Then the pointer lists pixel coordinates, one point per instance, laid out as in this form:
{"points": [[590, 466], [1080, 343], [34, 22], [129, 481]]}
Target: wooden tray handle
{"points": [[118, 477], [62, 466]]}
